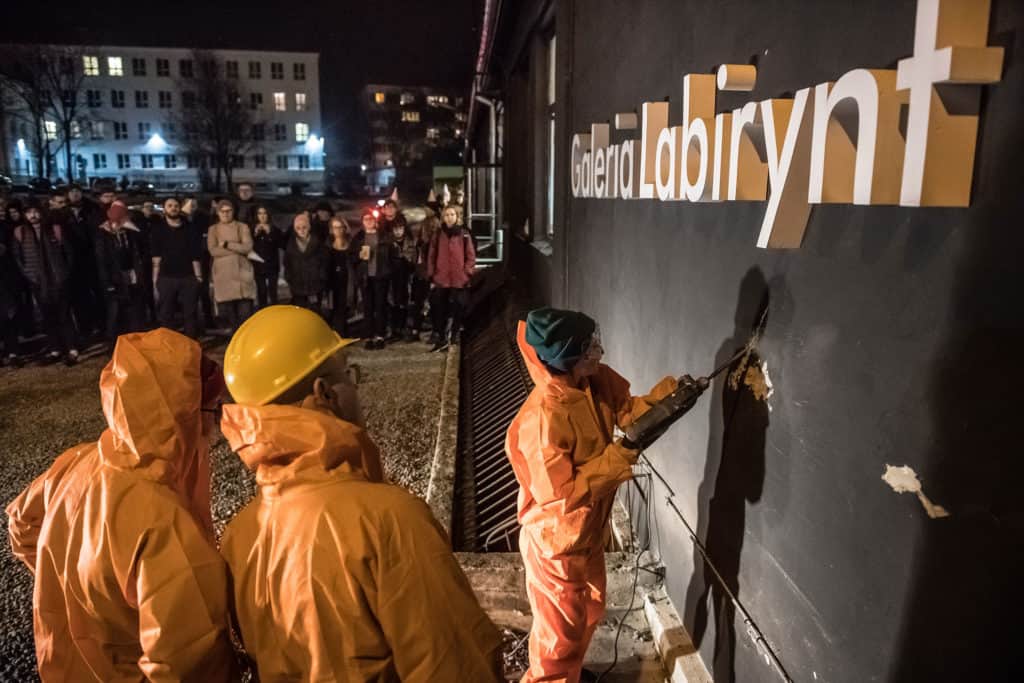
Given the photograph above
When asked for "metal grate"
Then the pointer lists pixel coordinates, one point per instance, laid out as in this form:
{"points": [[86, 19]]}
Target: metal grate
{"points": [[494, 384]]}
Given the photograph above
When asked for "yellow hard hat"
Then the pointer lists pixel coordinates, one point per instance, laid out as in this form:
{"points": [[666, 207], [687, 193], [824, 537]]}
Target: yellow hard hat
{"points": [[274, 350]]}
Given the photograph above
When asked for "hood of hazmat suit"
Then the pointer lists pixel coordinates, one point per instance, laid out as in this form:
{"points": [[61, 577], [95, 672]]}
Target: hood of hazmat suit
{"points": [[128, 583], [561, 446], [338, 575]]}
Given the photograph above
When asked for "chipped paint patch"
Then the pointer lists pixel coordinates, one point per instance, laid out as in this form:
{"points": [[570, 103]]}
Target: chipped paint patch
{"points": [[904, 480], [754, 374]]}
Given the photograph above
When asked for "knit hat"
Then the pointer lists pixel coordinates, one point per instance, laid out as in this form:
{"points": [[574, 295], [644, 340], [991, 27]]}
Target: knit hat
{"points": [[117, 211], [558, 336]]}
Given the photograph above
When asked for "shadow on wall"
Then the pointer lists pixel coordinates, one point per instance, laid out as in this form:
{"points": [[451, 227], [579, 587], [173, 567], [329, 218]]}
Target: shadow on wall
{"points": [[733, 476]]}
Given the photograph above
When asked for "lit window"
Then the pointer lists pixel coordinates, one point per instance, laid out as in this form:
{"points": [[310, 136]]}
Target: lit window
{"points": [[460, 116], [91, 65], [300, 101], [279, 102], [437, 100], [407, 98], [411, 116], [76, 130], [433, 134], [51, 130], [301, 132], [378, 97], [114, 66], [96, 130]]}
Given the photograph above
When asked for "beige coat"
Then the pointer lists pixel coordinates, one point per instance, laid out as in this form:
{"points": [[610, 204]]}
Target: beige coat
{"points": [[231, 269]]}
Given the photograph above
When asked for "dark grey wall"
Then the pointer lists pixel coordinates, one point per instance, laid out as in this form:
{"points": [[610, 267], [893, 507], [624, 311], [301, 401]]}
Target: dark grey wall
{"points": [[894, 337]]}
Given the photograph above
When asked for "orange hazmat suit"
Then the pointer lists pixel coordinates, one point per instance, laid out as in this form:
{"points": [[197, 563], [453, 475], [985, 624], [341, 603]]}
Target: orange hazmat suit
{"points": [[337, 575], [128, 583], [561, 448]]}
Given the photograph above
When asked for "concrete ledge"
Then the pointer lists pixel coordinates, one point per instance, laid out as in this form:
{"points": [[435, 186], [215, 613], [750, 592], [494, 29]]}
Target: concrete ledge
{"points": [[441, 489], [499, 580], [678, 655]]}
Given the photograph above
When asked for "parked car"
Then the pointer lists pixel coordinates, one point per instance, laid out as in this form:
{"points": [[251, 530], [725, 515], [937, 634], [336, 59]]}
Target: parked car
{"points": [[188, 187], [40, 186], [141, 187]]}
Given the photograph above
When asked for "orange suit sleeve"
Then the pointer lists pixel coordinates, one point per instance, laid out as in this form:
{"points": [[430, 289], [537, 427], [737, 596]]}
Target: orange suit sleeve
{"points": [[553, 475], [436, 629], [182, 590]]}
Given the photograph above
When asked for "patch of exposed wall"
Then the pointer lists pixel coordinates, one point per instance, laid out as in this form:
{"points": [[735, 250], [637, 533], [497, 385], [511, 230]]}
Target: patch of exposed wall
{"points": [[904, 480]]}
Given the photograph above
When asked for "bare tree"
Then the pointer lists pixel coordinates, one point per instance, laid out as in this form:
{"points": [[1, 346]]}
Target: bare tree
{"points": [[216, 121], [43, 87]]}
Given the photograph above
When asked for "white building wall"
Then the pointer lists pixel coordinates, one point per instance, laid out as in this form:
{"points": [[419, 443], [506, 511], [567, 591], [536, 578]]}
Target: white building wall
{"points": [[161, 147]]}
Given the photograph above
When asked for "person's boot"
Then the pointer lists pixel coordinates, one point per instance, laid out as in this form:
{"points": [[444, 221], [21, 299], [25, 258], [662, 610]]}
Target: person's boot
{"points": [[436, 343], [412, 336], [71, 358], [52, 357]]}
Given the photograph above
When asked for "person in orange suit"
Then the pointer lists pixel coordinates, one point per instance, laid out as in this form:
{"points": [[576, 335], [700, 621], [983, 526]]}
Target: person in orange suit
{"points": [[118, 533], [338, 575], [562, 448]]}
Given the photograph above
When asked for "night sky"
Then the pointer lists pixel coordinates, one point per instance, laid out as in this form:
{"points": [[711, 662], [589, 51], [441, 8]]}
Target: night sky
{"points": [[409, 43]]}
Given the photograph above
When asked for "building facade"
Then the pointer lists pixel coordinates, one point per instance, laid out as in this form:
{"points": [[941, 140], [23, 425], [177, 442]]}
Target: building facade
{"points": [[411, 127], [674, 169], [131, 100]]}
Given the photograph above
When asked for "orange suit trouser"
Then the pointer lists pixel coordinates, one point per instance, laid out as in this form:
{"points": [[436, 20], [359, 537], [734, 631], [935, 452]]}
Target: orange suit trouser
{"points": [[567, 594]]}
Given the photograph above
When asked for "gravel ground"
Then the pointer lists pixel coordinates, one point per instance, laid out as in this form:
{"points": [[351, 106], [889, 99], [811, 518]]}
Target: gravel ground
{"points": [[46, 410]]}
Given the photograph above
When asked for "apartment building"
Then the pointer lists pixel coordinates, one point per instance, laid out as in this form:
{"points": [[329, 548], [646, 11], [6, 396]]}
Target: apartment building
{"points": [[131, 98]]}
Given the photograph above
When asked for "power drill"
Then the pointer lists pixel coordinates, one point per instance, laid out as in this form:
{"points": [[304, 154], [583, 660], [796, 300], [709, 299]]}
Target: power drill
{"points": [[647, 428]]}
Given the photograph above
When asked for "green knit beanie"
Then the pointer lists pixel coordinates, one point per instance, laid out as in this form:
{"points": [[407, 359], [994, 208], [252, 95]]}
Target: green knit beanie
{"points": [[558, 336]]}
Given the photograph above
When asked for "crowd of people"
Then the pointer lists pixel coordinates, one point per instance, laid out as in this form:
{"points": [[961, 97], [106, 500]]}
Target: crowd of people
{"points": [[87, 270]]}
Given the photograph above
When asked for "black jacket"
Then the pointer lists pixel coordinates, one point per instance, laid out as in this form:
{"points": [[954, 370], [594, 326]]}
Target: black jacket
{"points": [[384, 254], [267, 245], [120, 259], [58, 257], [305, 271]]}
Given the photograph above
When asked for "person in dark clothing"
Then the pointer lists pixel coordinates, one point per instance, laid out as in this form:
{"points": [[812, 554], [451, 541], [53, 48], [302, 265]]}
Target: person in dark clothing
{"points": [[404, 261], [305, 265], [122, 273], [320, 220], [145, 220], [177, 273], [14, 215], [86, 294], [45, 260], [267, 241], [246, 204], [200, 222], [10, 291], [450, 264], [339, 262], [374, 253], [423, 233]]}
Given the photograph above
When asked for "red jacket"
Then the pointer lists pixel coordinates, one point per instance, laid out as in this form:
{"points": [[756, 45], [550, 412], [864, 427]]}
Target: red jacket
{"points": [[452, 259]]}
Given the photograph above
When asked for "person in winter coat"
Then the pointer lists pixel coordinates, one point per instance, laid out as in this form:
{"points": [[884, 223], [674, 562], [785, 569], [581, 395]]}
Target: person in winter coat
{"points": [[450, 266], [45, 259], [120, 264], [339, 262], [337, 574], [423, 233], [200, 220], [568, 466], [374, 254], [246, 204], [403, 263], [13, 216], [234, 286], [267, 242], [305, 265], [10, 290], [81, 221], [320, 219], [118, 533]]}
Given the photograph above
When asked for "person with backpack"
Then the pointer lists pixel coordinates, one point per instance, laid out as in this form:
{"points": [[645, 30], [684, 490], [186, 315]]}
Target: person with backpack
{"points": [[450, 265]]}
